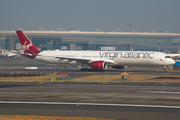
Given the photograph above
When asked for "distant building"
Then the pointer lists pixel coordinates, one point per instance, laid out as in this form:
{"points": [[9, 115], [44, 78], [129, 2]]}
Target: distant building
{"points": [[91, 40]]}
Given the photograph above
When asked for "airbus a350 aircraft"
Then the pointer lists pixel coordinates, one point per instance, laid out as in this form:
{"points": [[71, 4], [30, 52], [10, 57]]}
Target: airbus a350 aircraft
{"points": [[95, 60]]}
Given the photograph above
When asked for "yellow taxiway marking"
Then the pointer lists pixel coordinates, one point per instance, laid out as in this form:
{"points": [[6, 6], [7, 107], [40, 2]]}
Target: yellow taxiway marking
{"points": [[166, 73], [164, 83], [20, 72]]}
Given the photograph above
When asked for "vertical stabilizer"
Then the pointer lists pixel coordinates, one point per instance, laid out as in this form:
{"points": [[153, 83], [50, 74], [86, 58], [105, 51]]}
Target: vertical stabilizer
{"points": [[28, 47]]}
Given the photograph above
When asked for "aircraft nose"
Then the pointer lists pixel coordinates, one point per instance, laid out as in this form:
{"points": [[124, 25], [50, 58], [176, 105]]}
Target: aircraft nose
{"points": [[172, 62]]}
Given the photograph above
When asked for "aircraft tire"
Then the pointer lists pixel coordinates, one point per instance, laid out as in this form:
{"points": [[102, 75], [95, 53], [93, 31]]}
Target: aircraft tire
{"points": [[86, 69], [164, 71]]}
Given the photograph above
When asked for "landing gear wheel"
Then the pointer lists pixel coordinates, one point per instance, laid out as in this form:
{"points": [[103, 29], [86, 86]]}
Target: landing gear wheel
{"points": [[164, 71], [86, 69]]}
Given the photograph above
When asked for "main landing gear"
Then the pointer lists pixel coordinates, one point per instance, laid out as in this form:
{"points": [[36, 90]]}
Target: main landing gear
{"points": [[86, 69]]}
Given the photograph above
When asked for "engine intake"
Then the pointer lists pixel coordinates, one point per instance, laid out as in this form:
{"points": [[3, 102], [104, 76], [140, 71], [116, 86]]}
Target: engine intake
{"points": [[98, 65]]}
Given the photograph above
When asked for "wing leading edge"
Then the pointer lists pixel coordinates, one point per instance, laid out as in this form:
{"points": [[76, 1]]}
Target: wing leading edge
{"points": [[78, 59]]}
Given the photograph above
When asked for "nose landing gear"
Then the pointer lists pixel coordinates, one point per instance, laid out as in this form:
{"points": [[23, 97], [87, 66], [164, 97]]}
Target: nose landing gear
{"points": [[164, 69]]}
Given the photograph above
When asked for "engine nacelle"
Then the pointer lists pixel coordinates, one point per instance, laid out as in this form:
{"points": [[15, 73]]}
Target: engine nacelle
{"points": [[119, 67], [98, 65]]}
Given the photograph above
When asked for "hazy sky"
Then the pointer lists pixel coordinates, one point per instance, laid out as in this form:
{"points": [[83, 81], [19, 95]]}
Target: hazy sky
{"points": [[89, 15]]}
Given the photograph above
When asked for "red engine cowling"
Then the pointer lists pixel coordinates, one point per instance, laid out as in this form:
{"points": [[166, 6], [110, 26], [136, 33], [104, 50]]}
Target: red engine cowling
{"points": [[119, 67], [98, 65]]}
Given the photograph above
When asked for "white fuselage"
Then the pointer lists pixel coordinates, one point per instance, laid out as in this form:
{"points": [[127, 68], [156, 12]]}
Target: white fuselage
{"points": [[111, 57]]}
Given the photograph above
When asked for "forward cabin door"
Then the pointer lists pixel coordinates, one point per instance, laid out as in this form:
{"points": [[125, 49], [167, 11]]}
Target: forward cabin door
{"points": [[156, 57]]}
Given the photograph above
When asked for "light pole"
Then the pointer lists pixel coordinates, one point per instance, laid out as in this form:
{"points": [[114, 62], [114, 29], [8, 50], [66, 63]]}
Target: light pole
{"points": [[131, 37], [159, 42], [105, 41], [95, 42], [178, 44], [31, 34]]}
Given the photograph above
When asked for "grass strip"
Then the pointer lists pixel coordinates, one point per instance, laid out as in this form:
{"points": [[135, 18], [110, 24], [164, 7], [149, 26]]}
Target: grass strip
{"points": [[30, 117], [130, 78], [28, 79], [99, 78]]}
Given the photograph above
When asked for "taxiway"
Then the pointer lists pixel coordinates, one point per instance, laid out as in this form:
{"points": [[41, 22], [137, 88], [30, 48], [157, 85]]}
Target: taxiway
{"points": [[111, 100]]}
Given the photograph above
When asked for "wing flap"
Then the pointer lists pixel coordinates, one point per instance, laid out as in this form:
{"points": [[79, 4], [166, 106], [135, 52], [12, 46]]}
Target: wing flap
{"points": [[70, 58]]}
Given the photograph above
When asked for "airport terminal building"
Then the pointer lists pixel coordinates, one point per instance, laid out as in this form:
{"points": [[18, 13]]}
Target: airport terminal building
{"points": [[91, 40]]}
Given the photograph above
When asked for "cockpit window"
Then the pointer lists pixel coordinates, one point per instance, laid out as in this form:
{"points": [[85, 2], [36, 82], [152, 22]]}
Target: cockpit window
{"points": [[167, 57]]}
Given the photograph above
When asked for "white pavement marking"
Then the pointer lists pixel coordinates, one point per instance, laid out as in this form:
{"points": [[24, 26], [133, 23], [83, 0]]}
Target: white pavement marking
{"points": [[90, 104], [12, 89], [162, 92]]}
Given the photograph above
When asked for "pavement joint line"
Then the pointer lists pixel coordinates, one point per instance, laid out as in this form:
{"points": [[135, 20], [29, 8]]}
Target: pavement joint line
{"points": [[90, 104]]}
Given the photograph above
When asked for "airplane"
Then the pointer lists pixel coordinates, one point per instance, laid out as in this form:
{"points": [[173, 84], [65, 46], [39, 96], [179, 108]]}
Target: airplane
{"points": [[94, 60], [10, 54]]}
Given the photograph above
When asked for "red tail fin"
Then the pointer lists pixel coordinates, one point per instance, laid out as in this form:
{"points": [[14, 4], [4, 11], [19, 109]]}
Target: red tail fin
{"points": [[27, 45]]}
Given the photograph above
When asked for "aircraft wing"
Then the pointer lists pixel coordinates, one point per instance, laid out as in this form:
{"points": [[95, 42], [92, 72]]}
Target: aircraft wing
{"points": [[78, 59], [74, 58], [69, 58]]}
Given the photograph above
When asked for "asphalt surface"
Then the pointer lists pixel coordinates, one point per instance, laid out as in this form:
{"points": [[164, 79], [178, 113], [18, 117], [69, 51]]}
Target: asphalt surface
{"points": [[124, 101], [129, 100], [115, 112], [9, 66]]}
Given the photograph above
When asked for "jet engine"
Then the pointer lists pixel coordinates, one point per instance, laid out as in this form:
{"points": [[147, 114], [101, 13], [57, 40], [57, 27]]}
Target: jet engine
{"points": [[98, 65], [119, 67]]}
